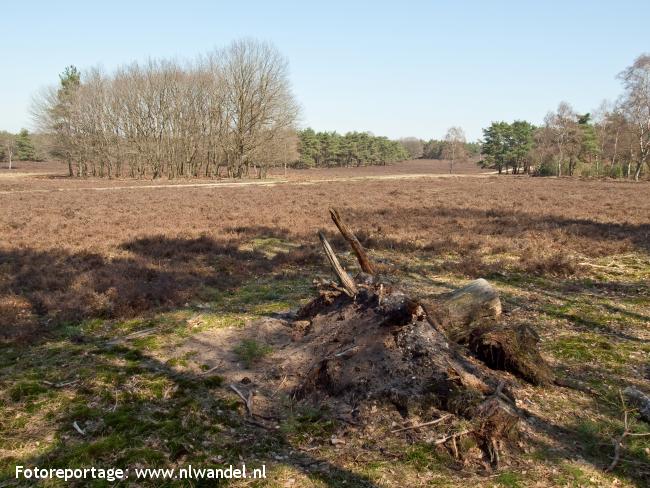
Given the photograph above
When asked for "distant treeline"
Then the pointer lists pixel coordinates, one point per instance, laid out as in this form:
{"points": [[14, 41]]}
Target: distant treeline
{"points": [[232, 113], [441, 148], [324, 149]]}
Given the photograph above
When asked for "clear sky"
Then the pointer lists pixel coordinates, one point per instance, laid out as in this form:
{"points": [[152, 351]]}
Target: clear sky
{"points": [[393, 68]]}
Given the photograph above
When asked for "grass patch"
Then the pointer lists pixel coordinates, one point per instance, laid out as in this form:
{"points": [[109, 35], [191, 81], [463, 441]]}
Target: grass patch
{"points": [[304, 421], [26, 390], [423, 456], [586, 347], [509, 479], [250, 351]]}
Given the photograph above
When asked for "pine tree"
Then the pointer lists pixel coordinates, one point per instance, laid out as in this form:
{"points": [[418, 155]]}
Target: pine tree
{"points": [[25, 150]]}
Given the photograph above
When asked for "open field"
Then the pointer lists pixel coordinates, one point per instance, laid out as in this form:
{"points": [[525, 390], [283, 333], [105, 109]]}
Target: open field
{"points": [[51, 175], [199, 271]]}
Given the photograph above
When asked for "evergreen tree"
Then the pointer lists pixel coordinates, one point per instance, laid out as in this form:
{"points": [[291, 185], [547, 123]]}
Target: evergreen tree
{"points": [[25, 150], [309, 148], [354, 148], [520, 143], [495, 145], [506, 145]]}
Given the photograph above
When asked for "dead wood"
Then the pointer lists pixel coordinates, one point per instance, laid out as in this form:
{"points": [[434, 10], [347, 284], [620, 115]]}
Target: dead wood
{"points": [[640, 401], [513, 349], [457, 312], [348, 235], [78, 429], [346, 280], [446, 354], [324, 300], [423, 424], [449, 437], [247, 399]]}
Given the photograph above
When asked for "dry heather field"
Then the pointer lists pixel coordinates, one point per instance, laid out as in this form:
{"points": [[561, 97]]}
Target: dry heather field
{"points": [[118, 307]]}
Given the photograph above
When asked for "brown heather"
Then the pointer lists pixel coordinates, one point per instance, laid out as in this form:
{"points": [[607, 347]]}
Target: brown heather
{"points": [[80, 254]]}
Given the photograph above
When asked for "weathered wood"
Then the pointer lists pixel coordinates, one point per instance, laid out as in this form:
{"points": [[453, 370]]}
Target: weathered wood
{"points": [[346, 280], [348, 235], [640, 401], [457, 312]]}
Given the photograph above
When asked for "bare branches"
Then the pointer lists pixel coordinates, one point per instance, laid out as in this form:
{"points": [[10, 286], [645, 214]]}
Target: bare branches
{"points": [[247, 399], [627, 432], [449, 437], [232, 109]]}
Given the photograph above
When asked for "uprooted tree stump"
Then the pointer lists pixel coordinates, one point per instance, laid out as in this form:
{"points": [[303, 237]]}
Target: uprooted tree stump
{"points": [[371, 341]]}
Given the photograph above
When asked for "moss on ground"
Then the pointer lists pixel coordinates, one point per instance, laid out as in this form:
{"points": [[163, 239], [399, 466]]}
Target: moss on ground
{"points": [[136, 407]]}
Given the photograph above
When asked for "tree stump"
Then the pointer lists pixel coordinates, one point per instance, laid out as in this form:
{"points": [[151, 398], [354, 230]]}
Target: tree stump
{"points": [[369, 340]]}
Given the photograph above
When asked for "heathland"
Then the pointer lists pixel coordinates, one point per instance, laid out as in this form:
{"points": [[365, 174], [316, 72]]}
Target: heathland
{"points": [[116, 298]]}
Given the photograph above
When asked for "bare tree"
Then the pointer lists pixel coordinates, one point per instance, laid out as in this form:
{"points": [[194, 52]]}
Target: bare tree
{"points": [[635, 106], [562, 127], [233, 108], [454, 147], [414, 146], [259, 104], [8, 142]]}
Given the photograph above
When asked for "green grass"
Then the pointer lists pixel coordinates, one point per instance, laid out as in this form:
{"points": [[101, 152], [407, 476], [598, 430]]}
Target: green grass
{"points": [[509, 479], [137, 406], [26, 390], [251, 351], [586, 347], [306, 422]]}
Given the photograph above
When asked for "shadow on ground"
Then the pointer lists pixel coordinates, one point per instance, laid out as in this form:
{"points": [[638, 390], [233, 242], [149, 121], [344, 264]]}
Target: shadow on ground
{"points": [[42, 289]]}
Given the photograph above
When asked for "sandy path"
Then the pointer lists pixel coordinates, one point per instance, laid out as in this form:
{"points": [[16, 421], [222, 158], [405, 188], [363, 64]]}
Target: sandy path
{"points": [[231, 184]]}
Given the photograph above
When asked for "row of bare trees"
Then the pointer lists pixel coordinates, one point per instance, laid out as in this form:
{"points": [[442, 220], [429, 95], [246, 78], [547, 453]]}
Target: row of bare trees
{"points": [[228, 113]]}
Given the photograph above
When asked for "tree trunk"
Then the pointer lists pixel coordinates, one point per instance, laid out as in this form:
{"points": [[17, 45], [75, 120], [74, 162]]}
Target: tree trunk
{"points": [[385, 347]]}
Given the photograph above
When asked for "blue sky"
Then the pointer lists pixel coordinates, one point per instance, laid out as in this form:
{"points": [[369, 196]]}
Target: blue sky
{"points": [[394, 68]]}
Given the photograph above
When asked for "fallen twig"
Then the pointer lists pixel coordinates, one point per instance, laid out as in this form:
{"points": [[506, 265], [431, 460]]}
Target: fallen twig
{"points": [[424, 424], [446, 438], [77, 428], [211, 370], [618, 442], [134, 335], [257, 424], [60, 385], [248, 400], [347, 352], [499, 394]]}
